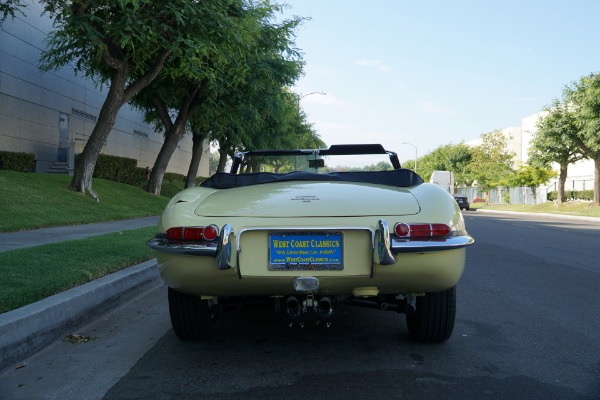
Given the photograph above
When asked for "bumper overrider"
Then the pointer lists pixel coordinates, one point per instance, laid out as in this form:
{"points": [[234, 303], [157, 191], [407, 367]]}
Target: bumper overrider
{"points": [[384, 245]]}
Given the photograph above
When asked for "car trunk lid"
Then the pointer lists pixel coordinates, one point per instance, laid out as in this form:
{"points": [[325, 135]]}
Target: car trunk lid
{"points": [[309, 199]]}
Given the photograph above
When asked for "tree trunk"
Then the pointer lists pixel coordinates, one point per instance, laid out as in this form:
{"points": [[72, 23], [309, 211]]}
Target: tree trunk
{"points": [[172, 138], [223, 150], [597, 179], [173, 134], [86, 162], [561, 184], [596, 156], [118, 94], [197, 149]]}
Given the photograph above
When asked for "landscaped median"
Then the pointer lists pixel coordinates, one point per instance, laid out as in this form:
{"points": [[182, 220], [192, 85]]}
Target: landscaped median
{"points": [[32, 274], [572, 208]]}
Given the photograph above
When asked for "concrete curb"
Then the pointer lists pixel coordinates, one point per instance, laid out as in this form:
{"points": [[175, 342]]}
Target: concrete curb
{"points": [[28, 329], [530, 214]]}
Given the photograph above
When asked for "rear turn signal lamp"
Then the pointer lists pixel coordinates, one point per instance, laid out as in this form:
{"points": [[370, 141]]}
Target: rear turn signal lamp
{"points": [[421, 230], [193, 233]]}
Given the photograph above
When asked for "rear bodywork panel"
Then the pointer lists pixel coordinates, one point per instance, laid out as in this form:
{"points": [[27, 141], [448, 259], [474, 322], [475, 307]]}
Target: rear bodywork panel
{"points": [[354, 209]]}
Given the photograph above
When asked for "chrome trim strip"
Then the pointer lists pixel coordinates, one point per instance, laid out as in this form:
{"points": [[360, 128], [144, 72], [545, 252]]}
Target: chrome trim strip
{"points": [[426, 245], [163, 245]]}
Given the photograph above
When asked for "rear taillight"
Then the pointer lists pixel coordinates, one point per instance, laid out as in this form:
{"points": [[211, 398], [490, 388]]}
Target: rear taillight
{"points": [[193, 233], [210, 232], [421, 230]]}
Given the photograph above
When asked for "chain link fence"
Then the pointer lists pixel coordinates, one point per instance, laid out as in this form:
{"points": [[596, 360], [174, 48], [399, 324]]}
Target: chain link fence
{"points": [[523, 195]]}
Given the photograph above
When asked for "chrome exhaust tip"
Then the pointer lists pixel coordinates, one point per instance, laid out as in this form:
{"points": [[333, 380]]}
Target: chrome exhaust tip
{"points": [[293, 311], [325, 309]]}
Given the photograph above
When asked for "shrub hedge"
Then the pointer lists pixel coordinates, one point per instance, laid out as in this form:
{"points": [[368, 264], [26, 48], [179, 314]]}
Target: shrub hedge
{"points": [[124, 170], [573, 195], [20, 162], [111, 168], [116, 169]]}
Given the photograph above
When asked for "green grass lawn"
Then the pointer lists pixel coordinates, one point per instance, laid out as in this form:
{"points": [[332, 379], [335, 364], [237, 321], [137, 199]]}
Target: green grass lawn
{"points": [[581, 208], [32, 274], [31, 201]]}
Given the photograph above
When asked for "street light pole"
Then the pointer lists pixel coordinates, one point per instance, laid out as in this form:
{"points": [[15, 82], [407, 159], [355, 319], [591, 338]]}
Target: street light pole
{"points": [[297, 135], [415, 154]]}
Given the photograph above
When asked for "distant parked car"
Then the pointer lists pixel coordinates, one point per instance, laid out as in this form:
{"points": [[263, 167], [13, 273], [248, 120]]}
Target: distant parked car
{"points": [[308, 238], [462, 201]]}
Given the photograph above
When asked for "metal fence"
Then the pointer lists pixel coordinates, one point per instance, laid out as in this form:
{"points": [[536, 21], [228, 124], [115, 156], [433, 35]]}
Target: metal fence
{"points": [[574, 184], [523, 195], [518, 195]]}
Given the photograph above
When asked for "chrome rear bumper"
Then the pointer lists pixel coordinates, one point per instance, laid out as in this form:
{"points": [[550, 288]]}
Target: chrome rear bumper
{"points": [[424, 245]]}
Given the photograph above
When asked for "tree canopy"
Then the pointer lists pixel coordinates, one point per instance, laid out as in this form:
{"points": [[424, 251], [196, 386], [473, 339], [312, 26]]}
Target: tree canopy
{"points": [[124, 45], [9, 8], [455, 158], [555, 141], [492, 160], [584, 97]]}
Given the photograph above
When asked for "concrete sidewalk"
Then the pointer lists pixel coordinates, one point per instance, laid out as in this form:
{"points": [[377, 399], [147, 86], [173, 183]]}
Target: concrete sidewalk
{"points": [[36, 237], [531, 214]]}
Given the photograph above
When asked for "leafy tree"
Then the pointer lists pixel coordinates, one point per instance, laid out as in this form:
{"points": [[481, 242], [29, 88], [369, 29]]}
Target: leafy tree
{"points": [[194, 81], [584, 96], [8, 8], [124, 45], [556, 141], [455, 158], [223, 90], [491, 161], [282, 127], [529, 176], [263, 113]]}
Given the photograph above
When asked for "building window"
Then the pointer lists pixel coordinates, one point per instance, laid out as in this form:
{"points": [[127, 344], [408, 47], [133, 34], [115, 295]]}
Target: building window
{"points": [[140, 133], [83, 114]]}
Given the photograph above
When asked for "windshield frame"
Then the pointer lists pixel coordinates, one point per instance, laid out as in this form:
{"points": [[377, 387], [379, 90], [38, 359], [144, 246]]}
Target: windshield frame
{"points": [[339, 149]]}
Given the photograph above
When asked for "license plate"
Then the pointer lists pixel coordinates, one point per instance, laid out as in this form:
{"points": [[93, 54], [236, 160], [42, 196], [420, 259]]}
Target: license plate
{"points": [[306, 251]]}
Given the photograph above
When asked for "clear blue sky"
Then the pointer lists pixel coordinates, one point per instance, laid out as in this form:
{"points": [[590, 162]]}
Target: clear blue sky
{"points": [[437, 72]]}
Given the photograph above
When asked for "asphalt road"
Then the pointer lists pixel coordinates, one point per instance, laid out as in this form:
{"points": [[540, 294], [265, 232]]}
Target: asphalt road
{"points": [[528, 327]]}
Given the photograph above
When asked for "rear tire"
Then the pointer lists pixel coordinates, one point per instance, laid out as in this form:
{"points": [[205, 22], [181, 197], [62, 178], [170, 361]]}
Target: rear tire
{"points": [[432, 318], [193, 318]]}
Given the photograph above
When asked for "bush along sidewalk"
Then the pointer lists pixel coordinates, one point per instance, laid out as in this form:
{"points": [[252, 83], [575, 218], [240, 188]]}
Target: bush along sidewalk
{"points": [[587, 195]]}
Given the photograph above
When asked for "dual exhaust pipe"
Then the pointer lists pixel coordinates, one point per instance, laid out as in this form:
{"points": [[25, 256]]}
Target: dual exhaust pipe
{"points": [[322, 309]]}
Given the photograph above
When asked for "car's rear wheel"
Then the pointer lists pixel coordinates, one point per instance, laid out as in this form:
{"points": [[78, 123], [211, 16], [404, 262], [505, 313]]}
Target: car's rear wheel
{"points": [[193, 318], [432, 317]]}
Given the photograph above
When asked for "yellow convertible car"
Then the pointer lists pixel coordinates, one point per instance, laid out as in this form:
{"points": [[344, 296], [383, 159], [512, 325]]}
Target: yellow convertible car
{"points": [[310, 230]]}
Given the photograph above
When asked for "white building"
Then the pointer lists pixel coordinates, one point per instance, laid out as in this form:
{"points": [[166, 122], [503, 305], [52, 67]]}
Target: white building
{"points": [[580, 175], [52, 114]]}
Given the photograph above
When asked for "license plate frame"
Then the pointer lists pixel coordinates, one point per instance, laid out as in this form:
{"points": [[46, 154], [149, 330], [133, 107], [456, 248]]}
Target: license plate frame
{"points": [[305, 250]]}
